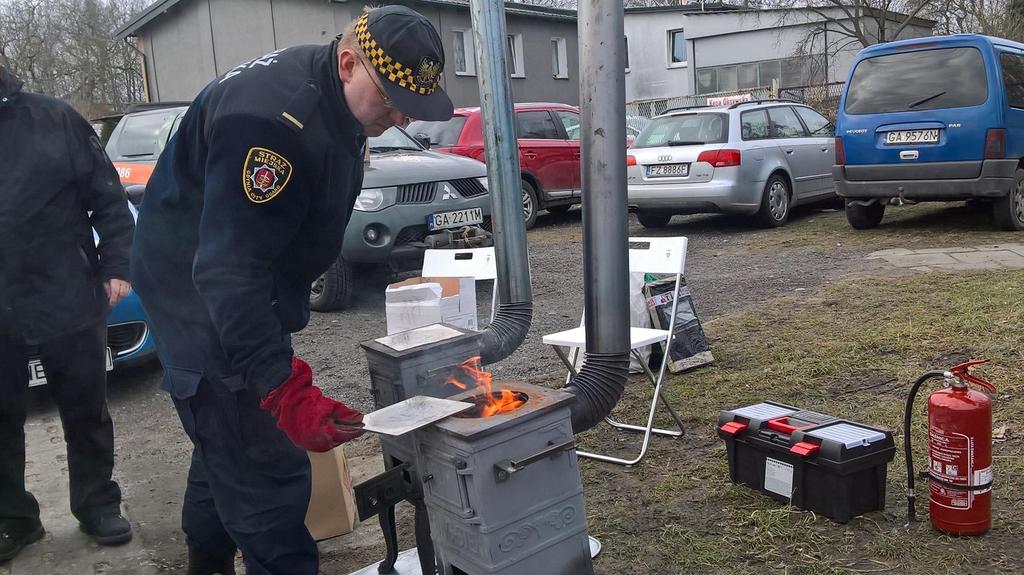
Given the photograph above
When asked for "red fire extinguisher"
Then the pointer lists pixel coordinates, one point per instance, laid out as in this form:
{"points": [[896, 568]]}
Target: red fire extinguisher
{"points": [[959, 452]]}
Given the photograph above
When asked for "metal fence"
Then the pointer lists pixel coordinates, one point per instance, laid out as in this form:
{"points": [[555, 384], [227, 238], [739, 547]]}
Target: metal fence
{"points": [[822, 97]]}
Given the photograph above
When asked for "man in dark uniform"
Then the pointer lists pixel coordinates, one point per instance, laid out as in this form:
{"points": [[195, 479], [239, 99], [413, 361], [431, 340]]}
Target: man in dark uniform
{"points": [[56, 287], [247, 206]]}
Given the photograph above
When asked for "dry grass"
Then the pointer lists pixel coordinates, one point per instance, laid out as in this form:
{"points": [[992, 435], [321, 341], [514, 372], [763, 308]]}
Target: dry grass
{"points": [[849, 350]]}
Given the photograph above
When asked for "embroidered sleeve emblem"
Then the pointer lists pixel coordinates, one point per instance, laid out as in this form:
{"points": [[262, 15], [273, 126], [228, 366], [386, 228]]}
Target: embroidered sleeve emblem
{"points": [[265, 174]]}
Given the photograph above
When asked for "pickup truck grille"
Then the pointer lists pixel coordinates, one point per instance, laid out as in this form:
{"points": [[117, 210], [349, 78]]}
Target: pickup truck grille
{"points": [[469, 187], [417, 193]]}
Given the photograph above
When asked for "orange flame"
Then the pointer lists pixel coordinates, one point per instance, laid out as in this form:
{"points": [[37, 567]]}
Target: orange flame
{"points": [[503, 401]]}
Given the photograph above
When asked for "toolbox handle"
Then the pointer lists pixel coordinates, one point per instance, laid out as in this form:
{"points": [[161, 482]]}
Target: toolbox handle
{"points": [[778, 424]]}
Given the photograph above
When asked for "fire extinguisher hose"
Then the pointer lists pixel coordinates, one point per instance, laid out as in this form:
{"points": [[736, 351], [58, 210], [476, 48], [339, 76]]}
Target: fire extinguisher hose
{"points": [[908, 412]]}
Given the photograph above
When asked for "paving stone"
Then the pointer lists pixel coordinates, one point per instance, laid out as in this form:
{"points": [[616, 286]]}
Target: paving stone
{"points": [[994, 258], [889, 252], [907, 261], [964, 266], [943, 250], [997, 247]]}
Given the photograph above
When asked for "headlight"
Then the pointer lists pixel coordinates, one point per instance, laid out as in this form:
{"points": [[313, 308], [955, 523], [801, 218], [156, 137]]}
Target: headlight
{"points": [[375, 199], [483, 182]]}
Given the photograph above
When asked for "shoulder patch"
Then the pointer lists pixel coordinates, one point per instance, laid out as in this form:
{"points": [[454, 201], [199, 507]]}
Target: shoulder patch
{"points": [[265, 174]]}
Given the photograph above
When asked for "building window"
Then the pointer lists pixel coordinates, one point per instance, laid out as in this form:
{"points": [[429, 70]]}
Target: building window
{"points": [[465, 57], [676, 48], [559, 59], [514, 55], [786, 73], [625, 51]]}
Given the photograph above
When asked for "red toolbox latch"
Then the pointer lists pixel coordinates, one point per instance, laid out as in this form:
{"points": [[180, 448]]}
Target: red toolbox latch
{"points": [[733, 427], [804, 448]]}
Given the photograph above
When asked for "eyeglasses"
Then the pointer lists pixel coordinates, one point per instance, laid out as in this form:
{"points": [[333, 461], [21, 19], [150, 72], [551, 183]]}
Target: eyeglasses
{"points": [[383, 97]]}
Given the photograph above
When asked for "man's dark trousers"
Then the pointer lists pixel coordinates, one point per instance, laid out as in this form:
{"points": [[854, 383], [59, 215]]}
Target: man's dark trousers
{"points": [[248, 485], [75, 366]]}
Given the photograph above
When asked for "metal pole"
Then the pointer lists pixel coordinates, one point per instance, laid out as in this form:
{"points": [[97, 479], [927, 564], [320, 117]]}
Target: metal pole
{"points": [[603, 152], [503, 172]]}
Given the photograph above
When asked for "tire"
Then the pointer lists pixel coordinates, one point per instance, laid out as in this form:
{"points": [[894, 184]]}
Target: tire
{"points": [[775, 202], [865, 217], [332, 290], [1009, 209], [530, 204], [653, 219], [558, 211]]}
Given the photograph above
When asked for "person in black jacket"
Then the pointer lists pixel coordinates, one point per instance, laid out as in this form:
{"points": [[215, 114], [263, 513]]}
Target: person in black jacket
{"points": [[56, 287], [246, 207]]}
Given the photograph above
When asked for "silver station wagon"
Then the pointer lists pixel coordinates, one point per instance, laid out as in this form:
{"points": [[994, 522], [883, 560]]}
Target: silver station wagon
{"points": [[751, 158]]}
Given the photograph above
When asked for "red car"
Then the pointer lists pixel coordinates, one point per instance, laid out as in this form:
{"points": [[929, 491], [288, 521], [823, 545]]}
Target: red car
{"points": [[549, 151]]}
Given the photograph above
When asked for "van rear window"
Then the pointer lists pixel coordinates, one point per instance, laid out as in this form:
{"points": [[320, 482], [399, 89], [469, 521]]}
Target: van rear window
{"points": [[918, 80]]}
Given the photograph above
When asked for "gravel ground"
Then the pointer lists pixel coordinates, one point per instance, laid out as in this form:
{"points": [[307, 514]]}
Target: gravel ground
{"points": [[725, 275]]}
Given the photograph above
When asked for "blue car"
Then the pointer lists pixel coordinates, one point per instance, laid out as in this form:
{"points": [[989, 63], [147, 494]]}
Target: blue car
{"points": [[933, 119], [128, 338]]}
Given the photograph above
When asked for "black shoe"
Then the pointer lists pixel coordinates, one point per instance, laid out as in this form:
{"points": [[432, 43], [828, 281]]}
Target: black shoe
{"points": [[200, 563], [108, 529], [11, 542]]}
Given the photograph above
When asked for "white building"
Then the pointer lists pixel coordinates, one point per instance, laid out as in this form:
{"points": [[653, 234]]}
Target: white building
{"points": [[696, 49]]}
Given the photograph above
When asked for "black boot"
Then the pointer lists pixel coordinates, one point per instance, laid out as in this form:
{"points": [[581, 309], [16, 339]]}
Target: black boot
{"points": [[108, 529], [13, 541], [200, 563]]}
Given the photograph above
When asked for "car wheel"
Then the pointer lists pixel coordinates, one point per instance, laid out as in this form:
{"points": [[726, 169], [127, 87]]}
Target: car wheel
{"points": [[558, 211], [529, 204], [1009, 209], [653, 219], [333, 289], [774, 210], [865, 217]]}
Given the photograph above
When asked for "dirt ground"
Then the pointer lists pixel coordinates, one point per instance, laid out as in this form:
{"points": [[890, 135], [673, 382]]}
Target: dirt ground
{"points": [[735, 271]]}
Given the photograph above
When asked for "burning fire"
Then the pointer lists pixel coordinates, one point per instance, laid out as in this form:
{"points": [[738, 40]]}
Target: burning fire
{"points": [[494, 403]]}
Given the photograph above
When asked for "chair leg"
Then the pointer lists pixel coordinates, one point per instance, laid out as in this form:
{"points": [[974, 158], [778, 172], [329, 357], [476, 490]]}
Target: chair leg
{"points": [[668, 406]]}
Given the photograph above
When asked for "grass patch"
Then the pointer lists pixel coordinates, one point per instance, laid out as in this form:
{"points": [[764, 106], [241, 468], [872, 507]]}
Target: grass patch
{"points": [[850, 351], [938, 224]]}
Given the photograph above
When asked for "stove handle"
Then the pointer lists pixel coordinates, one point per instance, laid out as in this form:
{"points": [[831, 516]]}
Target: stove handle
{"points": [[503, 470]]}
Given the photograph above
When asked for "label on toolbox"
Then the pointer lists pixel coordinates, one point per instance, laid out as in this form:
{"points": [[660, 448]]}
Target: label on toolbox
{"points": [[778, 477]]}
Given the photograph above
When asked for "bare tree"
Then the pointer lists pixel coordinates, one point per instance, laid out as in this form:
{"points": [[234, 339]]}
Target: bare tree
{"points": [[1003, 18], [66, 48]]}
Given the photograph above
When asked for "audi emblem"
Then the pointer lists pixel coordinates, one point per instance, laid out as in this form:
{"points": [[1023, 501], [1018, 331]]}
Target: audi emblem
{"points": [[664, 158]]}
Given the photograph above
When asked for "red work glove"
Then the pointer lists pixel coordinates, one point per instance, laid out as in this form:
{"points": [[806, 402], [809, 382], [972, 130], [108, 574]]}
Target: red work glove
{"points": [[312, 421]]}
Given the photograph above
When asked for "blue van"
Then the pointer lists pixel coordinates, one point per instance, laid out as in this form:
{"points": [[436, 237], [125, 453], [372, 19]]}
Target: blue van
{"points": [[933, 119]]}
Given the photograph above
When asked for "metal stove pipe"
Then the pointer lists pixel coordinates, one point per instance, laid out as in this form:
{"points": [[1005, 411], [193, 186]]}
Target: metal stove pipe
{"points": [[515, 296], [602, 379]]}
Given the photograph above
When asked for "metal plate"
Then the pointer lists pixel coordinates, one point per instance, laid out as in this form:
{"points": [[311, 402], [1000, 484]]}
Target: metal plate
{"points": [[404, 340], [411, 414], [900, 137], [668, 170]]}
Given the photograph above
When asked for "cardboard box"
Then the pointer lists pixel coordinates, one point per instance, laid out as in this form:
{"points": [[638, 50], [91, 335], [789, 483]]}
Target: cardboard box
{"points": [[332, 504], [423, 301]]}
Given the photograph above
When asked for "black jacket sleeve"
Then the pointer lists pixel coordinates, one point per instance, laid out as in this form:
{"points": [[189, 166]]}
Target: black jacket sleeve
{"points": [[101, 194], [256, 197]]}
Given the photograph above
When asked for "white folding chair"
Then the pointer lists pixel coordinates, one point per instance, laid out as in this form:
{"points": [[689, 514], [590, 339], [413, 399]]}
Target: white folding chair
{"points": [[646, 255], [476, 263]]}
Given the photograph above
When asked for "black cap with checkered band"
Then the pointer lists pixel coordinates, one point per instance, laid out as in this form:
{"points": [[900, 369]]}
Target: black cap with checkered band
{"points": [[406, 51]]}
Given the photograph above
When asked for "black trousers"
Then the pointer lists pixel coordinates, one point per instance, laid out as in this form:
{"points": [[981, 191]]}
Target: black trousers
{"points": [[75, 366]]}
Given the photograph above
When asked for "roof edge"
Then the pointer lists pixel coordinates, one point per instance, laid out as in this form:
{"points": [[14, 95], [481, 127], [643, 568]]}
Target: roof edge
{"points": [[144, 17]]}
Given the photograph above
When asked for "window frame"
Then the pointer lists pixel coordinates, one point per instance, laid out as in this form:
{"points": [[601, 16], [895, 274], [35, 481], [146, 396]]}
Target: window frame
{"points": [[625, 51], [807, 128], [771, 124], [670, 45], [469, 50], [559, 132], [768, 123], [514, 42], [560, 122], [1002, 70], [560, 54]]}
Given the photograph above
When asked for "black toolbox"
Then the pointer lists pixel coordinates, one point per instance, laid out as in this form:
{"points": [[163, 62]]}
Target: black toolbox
{"points": [[814, 461]]}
